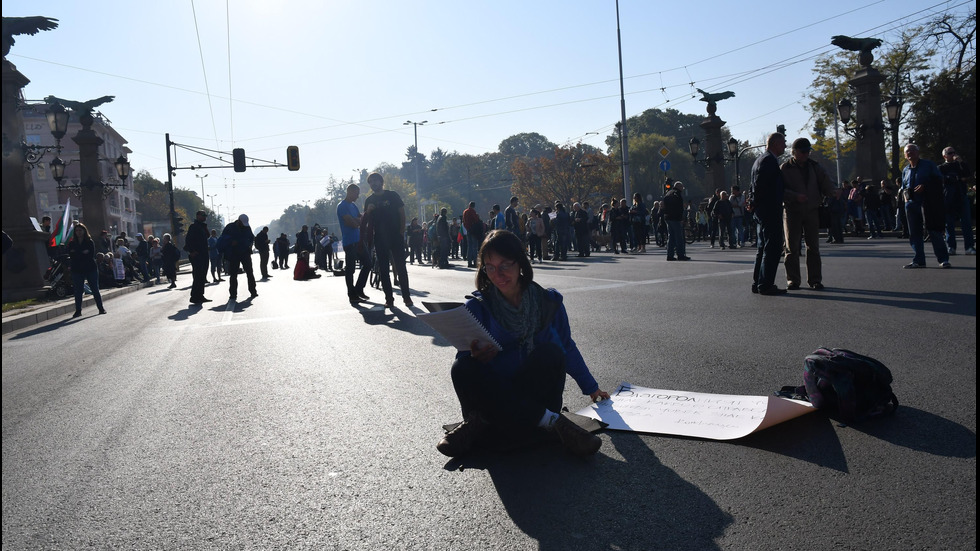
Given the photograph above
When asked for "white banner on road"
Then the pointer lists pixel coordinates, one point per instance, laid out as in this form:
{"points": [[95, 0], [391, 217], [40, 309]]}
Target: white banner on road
{"points": [[714, 416]]}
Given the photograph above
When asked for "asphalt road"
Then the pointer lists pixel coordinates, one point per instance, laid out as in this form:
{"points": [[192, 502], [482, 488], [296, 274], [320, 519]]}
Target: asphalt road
{"points": [[294, 421]]}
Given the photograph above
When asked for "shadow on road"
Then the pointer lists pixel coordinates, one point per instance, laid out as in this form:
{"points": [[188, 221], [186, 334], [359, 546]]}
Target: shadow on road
{"points": [[809, 438], [940, 303], [920, 430], [601, 502]]}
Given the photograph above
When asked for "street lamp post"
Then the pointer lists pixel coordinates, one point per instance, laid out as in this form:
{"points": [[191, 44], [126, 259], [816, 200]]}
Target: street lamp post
{"points": [[201, 178], [418, 187], [894, 110]]}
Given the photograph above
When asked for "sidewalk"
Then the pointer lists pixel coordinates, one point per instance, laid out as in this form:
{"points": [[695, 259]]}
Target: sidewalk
{"points": [[16, 320]]}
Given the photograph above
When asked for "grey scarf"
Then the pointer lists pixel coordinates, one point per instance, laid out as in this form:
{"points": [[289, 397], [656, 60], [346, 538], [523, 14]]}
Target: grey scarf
{"points": [[523, 320]]}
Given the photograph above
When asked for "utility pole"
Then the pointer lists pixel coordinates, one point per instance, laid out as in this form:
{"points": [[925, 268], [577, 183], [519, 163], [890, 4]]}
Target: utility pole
{"points": [[418, 187]]}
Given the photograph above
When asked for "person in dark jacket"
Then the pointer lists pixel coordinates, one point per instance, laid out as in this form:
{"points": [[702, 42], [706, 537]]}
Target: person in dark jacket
{"points": [[673, 212], [768, 188], [515, 390], [563, 231], [442, 232], [170, 254], [81, 252], [262, 245], [237, 248], [196, 245]]}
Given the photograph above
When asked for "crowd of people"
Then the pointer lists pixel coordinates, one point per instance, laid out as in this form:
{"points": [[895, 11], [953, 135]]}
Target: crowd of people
{"points": [[788, 205]]}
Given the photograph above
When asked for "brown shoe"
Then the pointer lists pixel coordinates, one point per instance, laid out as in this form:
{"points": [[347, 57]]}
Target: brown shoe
{"points": [[461, 439], [575, 439]]}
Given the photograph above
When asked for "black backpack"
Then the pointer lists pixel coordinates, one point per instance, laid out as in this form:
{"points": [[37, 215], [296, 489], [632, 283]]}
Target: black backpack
{"points": [[847, 385]]}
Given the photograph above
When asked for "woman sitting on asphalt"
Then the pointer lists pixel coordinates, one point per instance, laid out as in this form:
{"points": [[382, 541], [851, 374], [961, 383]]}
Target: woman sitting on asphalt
{"points": [[303, 271], [517, 392]]}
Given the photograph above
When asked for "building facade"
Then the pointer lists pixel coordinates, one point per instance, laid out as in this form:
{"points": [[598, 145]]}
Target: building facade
{"points": [[121, 212]]}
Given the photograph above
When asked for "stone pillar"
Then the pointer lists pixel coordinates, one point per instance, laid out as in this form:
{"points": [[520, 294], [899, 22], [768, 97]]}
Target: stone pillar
{"points": [[714, 175], [25, 262], [872, 164], [90, 176]]}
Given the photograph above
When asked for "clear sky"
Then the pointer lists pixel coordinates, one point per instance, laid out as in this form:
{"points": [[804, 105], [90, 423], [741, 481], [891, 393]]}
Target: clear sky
{"points": [[339, 78]]}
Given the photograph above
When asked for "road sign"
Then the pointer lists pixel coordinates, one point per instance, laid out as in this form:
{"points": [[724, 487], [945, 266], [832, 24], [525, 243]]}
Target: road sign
{"points": [[665, 165], [664, 151]]}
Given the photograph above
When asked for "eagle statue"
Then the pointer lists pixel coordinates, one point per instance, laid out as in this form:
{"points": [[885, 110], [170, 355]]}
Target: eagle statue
{"points": [[713, 98], [13, 26], [80, 107], [852, 44]]}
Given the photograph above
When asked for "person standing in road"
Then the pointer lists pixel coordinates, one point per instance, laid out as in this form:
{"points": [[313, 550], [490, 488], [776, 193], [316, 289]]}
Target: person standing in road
{"points": [[388, 214], [956, 175], [350, 239], [806, 186], [768, 189], [510, 217], [474, 233], [442, 231], [239, 239], [196, 245], [673, 205], [215, 257], [81, 253], [262, 245], [303, 242], [923, 186]]}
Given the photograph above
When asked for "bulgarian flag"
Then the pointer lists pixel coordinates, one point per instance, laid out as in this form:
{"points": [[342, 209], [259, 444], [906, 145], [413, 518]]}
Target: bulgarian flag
{"points": [[64, 229]]}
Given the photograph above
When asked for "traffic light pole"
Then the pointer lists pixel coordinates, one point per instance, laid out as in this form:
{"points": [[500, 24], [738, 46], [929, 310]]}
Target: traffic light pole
{"points": [[238, 164]]}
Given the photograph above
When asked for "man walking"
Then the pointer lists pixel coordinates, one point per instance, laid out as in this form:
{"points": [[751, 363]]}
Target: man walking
{"points": [[767, 208], [196, 246], [806, 186], [388, 214]]}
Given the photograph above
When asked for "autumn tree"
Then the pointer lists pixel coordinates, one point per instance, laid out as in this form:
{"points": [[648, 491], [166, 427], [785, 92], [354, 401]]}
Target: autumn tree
{"points": [[575, 173]]}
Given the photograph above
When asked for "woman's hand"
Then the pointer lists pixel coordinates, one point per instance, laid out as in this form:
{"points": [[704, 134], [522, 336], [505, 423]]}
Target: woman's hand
{"points": [[482, 354], [599, 395]]}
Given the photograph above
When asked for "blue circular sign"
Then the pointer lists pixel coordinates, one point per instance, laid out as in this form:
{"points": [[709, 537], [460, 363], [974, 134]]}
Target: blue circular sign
{"points": [[665, 165]]}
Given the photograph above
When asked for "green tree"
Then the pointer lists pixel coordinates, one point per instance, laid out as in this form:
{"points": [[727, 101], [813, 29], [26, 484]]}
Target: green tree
{"points": [[529, 145], [946, 116]]}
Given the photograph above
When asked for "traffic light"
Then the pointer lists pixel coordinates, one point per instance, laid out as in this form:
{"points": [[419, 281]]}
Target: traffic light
{"points": [[238, 154], [178, 225], [668, 185], [292, 158]]}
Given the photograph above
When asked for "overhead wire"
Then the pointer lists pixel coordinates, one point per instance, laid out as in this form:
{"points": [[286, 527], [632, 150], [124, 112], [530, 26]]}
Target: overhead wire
{"points": [[204, 72]]}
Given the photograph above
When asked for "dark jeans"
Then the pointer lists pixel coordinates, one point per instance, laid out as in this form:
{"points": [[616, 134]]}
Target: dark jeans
{"points": [[675, 239], [264, 263], [236, 265], [770, 242], [917, 233], [390, 253], [199, 271], [472, 247], [518, 402], [351, 256], [961, 214], [78, 282]]}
